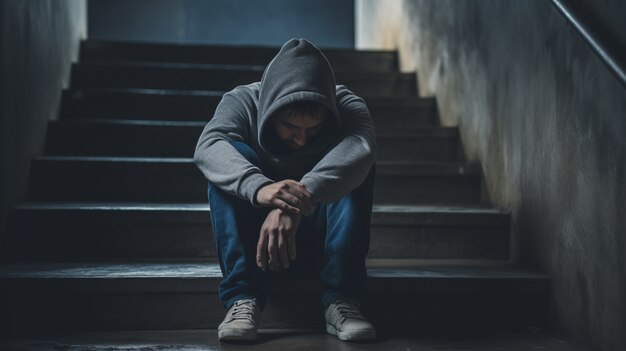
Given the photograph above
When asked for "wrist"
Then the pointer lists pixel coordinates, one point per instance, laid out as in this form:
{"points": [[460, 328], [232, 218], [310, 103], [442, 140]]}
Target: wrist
{"points": [[290, 214], [257, 192]]}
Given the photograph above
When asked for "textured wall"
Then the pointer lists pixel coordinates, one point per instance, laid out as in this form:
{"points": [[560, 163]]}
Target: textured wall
{"points": [[328, 23], [38, 41], [548, 122]]}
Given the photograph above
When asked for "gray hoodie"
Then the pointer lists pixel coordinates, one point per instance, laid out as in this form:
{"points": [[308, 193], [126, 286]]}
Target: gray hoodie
{"points": [[330, 166]]}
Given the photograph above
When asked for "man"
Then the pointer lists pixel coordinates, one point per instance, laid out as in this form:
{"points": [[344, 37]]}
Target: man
{"points": [[290, 164]]}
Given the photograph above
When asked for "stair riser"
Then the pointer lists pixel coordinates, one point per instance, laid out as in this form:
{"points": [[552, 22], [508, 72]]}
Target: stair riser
{"points": [[339, 59], [183, 182], [84, 76], [79, 104], [86, 236], [428, 189], [33, 311], [181, 142], [436, 149]]}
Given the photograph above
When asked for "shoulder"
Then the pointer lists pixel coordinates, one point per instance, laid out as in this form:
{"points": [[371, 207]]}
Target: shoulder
{"points": [[347, 100], [242, 100], [342, 91], [344, 95], [246, 91]]}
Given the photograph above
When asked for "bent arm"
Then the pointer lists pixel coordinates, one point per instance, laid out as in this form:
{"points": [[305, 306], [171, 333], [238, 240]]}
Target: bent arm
{"points": [[346, 166], [219, 161]]}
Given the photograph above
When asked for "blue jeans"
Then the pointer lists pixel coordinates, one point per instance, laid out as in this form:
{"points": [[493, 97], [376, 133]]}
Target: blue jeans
{"points": [[332, 242]]}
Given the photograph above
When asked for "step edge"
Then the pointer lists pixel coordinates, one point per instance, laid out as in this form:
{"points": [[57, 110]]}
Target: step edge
{"points": [[149, 206], [428, 101], [203, 271], [425, 131], [86, 43], [82, 66]]}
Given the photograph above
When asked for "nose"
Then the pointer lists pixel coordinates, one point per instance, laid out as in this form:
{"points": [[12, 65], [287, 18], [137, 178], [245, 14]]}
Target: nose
{"points": [[299, 138]]}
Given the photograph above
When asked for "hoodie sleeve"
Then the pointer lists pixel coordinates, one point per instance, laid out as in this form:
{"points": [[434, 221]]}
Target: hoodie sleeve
{"points": [[218, 160], [345, 166]]}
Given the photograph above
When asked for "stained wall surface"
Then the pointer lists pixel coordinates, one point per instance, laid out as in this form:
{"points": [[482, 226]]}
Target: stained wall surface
{"points": [[38, 41], [327, 23], [548, 122]]}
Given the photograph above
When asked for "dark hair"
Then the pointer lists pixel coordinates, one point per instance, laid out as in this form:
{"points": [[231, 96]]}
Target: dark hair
{"points": [[306, 107]]}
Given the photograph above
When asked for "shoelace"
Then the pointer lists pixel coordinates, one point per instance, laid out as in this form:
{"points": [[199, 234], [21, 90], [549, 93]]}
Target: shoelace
{"points": [[347, 310], [243, 310]]}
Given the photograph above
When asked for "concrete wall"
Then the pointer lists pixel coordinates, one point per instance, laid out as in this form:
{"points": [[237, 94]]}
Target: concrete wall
{"points": [[328, 23], [548, 122], [38, 41]]}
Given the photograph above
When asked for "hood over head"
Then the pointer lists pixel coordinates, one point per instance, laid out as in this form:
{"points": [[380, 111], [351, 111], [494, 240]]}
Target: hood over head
{"points": [[299, 72]]}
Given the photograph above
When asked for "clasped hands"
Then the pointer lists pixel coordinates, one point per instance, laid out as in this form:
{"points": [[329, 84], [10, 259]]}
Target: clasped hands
{"points": [[277, 239]]}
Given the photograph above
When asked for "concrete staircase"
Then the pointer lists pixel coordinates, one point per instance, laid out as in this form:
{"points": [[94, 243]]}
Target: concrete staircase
{"points": [[116, 232]]}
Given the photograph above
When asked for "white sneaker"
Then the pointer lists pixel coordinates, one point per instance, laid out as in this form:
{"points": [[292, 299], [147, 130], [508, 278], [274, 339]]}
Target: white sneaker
{"points": [[241, 321], [344, 320]]}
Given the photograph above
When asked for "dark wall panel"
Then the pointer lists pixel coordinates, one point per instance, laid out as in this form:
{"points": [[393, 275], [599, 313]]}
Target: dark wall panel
{"points": [[547, 119], [38, 41], [328, 23]]}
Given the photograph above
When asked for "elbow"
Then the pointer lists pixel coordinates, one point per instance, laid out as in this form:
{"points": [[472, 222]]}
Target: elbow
{"points": [[202, 149], [197, 155], [371, 160], [373, 150]]}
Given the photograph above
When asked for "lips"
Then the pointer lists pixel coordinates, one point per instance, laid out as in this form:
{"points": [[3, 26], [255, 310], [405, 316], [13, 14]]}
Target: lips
{"points": [[294, 146]]}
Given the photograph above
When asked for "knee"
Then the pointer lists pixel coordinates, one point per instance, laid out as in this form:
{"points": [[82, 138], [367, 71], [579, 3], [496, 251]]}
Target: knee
{"points": [[247, 152], [340, 247], [347, 221], [348, 224]]}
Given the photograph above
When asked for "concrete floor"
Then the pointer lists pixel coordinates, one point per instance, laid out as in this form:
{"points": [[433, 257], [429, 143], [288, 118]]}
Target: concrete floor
{"points": [[290, 340]]}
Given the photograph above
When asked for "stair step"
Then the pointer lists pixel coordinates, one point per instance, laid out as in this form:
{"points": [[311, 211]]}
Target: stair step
{"points": [[530, 339], [94, 231], [152, 104], [135, 179], [224, 78], [122, 296], [340, 59], [146, 138]]}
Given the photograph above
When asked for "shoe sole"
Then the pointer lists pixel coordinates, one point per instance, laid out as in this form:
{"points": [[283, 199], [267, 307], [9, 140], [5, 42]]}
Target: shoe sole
{"points": [[236, 336], [353, 335]]}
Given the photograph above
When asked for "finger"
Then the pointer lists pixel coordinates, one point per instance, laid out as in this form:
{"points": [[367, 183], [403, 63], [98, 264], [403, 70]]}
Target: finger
{"points": [[271, 251], [299, 188], [285, 206], [290, 190], [291, 244], [282, 250], [294, 201], [261, 248], [309, 195], [303, 188], [300, 200], [304, 194]]}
